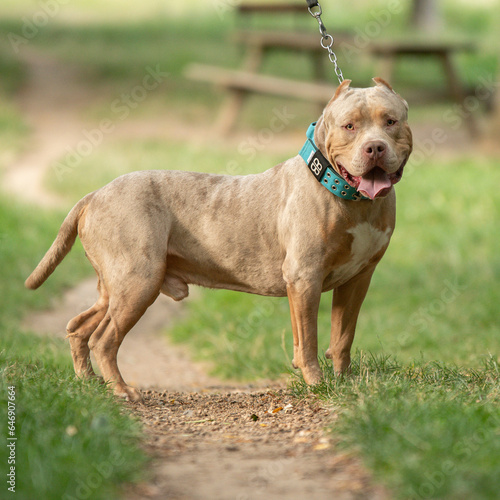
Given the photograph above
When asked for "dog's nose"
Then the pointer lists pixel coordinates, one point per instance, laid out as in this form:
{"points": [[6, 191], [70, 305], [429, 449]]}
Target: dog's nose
{"points": [[374, 150]]}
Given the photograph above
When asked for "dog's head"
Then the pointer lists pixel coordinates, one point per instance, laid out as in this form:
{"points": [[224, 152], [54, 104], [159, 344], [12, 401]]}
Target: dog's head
{"points": [[366, 137]]}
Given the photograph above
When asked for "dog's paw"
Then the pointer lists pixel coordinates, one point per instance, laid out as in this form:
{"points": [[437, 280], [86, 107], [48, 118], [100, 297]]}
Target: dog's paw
{"points": [[128, 393], [312, 376]]}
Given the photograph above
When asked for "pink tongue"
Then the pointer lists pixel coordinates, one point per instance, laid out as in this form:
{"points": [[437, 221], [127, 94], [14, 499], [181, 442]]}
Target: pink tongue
{"points": [[373, 182]]}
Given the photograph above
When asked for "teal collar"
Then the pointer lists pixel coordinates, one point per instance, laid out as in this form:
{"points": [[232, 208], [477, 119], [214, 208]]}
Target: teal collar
{"points": [[324, 172]]}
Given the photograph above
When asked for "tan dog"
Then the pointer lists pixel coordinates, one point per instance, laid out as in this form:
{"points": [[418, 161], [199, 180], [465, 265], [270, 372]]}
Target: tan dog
{"points": [[278, 233]]}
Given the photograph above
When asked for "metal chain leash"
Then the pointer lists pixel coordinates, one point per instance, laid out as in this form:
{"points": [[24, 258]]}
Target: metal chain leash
{"points": [[326, 39]]}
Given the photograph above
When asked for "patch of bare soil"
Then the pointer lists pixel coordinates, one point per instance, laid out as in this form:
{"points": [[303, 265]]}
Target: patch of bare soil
{"points": [[242, 445]]}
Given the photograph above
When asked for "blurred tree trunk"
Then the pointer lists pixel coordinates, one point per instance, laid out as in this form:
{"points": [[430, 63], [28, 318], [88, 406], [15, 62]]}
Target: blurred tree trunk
{"points": [[425, 15]]}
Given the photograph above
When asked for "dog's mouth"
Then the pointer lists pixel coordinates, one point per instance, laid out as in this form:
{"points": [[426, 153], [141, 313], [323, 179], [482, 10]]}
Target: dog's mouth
{"points": [[374, 184]]}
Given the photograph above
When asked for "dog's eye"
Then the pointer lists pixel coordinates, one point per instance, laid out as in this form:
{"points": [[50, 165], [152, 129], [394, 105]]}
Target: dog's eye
{"points": [[391, 122], [349, 126]]}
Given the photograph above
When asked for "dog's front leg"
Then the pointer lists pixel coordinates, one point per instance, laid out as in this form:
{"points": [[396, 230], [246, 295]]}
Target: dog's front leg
{"points": [[347, 301], [304, 297]]}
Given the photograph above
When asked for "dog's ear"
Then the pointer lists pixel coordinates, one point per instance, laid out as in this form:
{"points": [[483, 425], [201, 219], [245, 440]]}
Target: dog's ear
{"points": [[341, 88], [382, 83]]}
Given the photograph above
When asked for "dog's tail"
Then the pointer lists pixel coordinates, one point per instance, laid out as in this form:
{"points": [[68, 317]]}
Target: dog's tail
{"points": [[61, 246]]}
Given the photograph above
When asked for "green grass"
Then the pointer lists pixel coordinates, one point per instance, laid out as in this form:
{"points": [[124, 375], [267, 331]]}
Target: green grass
{"points": [[426, 430], [73, 438], [13, 129], [11, 69]]}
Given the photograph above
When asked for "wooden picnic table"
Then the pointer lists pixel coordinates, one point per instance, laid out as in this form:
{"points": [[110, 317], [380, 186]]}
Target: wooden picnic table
{"points": [[390, 51], [259, 43]]}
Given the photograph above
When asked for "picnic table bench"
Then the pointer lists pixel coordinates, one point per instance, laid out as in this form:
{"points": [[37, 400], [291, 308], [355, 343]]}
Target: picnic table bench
{"points": [[248, 80]]}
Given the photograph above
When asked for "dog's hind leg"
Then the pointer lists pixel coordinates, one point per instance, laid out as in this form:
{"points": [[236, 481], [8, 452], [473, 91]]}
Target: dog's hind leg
{"points": [[79, 330], [129, 297]]}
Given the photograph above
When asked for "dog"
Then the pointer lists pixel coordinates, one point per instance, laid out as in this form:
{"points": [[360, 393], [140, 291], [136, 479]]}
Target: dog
{"points": [[317, 222]]}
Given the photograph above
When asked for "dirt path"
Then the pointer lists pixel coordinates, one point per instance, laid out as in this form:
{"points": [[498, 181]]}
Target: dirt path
{"points": [[51, 101], [245, 444], [209, 439]]}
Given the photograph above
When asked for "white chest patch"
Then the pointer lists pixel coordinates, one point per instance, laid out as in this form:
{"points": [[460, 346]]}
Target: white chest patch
{"points": [[367, 242]]}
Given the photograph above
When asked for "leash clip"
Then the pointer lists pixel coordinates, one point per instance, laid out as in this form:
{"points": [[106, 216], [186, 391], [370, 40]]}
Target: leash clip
{"points": [[318, 12]]}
